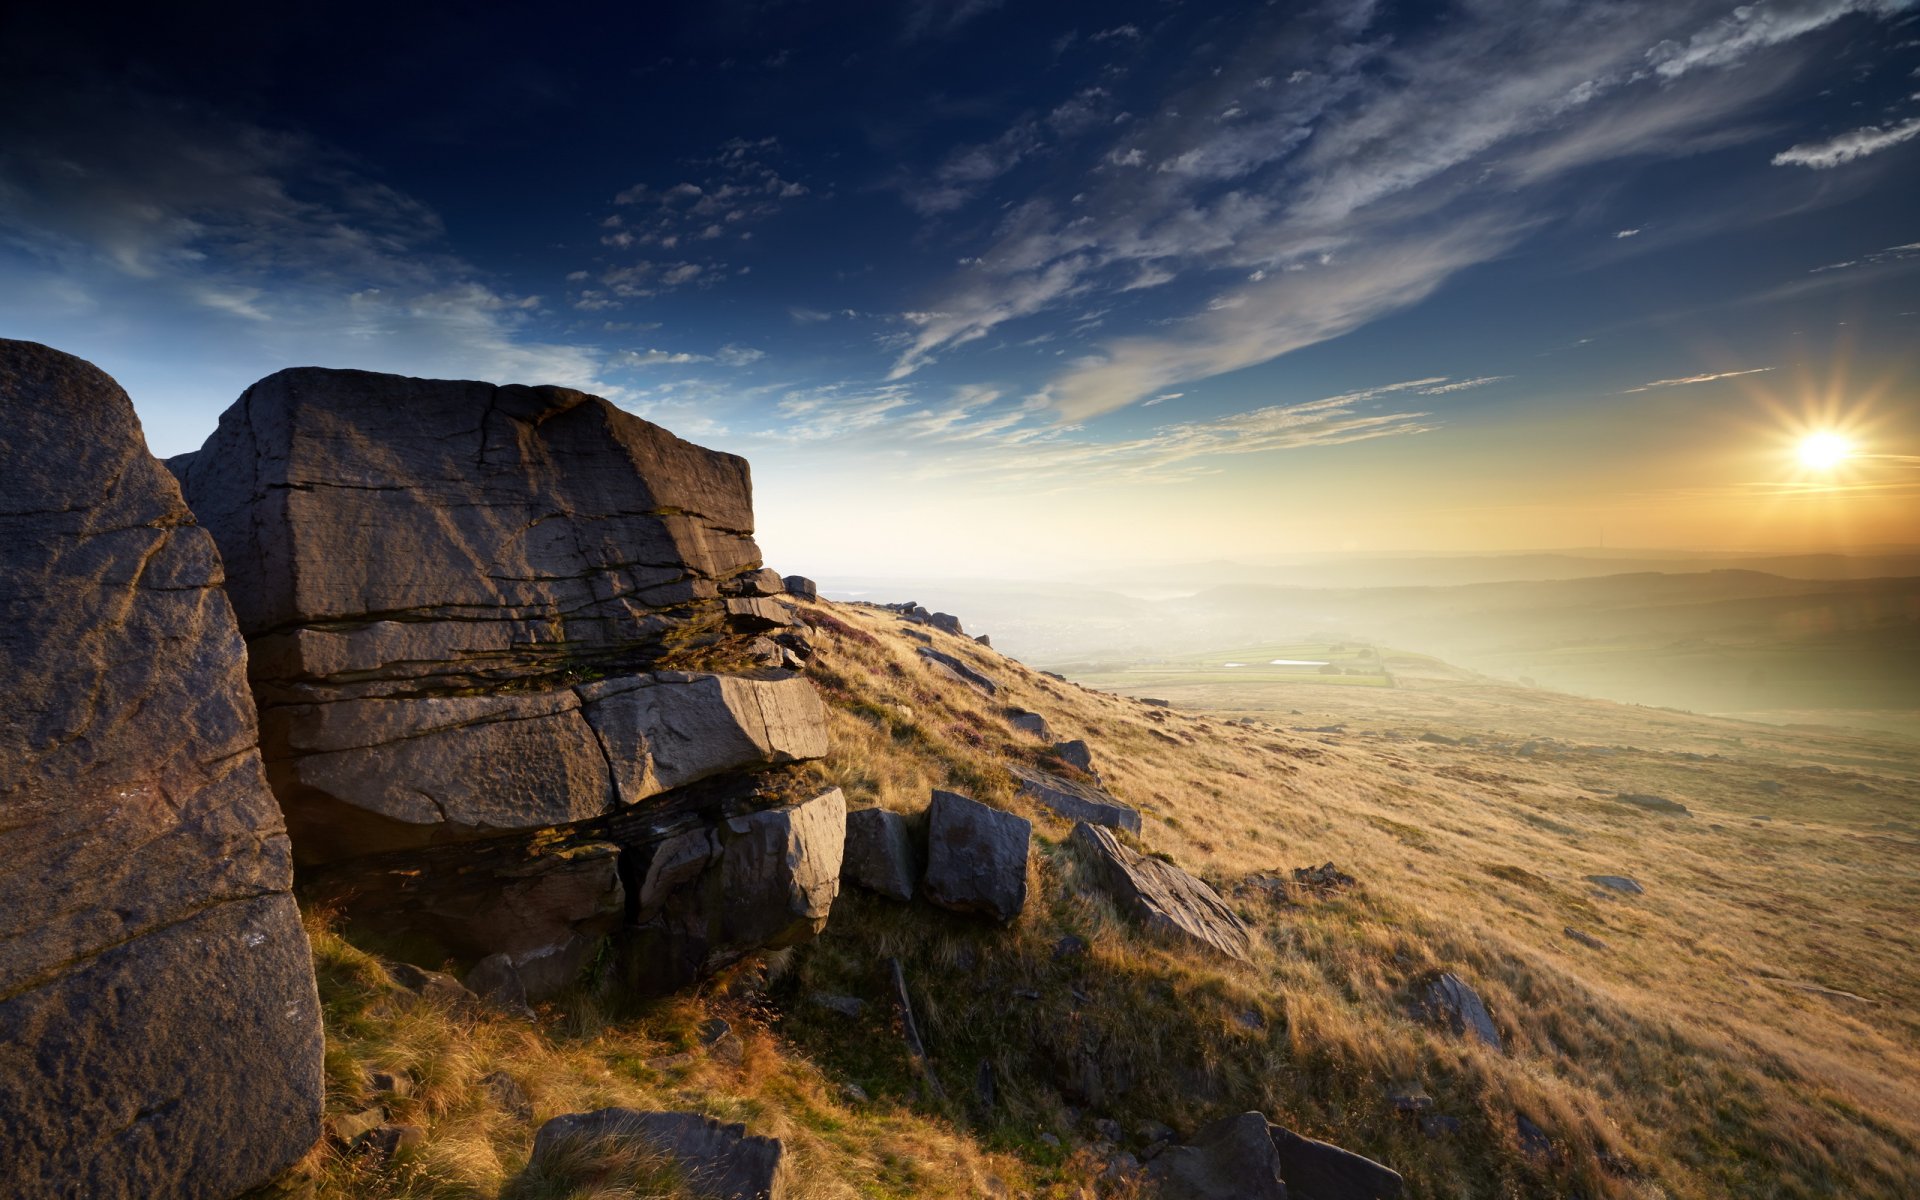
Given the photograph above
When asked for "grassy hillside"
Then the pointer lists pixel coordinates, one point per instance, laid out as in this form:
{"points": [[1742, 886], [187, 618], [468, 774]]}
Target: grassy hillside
{"points": [[1745, 1028]]}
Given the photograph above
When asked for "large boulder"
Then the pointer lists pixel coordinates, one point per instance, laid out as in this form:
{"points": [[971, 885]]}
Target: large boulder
{"points": [[711, 1159], [879, 854], [475, 609], [1076, 801], [976, 857], [159, 1028], [1161, 896]]}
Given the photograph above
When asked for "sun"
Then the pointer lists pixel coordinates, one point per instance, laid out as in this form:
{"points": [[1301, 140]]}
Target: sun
{"points": [[1824, 451]]}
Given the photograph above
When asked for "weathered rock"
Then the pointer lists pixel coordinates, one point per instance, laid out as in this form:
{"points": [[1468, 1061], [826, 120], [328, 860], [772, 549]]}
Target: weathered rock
{"points": [[976, 857], [879, 854], [761, 880], [1619, 883], [1449, 1001], [426, 568], [951, 668], [437, 987], [1314, 1170], [159, 1028], [1585, 939], [1075, 753], [508, 1094], [946, 623], [496, 981], [984, 640], [1027, 721], [1245, 1157], [717, 1160], [1076, 801], [1161, 896], [1654, 803], [801, 588], [1233, 1158]]}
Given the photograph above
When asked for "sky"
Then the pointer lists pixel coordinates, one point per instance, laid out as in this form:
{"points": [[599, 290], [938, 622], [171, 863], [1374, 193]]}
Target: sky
{"points": [[988, 288]]}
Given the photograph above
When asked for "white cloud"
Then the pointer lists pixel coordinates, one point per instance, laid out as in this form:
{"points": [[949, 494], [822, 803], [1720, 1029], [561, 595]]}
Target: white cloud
{"points": [[1461, 385], [1627, 233], [1834, 151], [1686, 380]]}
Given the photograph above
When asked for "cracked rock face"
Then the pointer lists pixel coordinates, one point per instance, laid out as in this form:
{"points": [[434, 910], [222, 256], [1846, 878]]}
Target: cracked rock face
{"points": [[473, 609], [159, 1028]]}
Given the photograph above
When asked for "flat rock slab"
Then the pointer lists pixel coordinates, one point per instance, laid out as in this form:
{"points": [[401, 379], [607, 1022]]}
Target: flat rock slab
{"points": [[716, 1160], [1315, 1170], [1246, 1157], [159, 1027], [1449, 1001], [879, 854], [951, 668], [1658, 804], [1076, 801], [1619, 883], [976, 857], [1161, 896]]}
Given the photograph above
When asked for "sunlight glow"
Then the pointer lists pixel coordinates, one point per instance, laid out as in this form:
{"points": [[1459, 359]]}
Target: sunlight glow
{"points": [[1824, 451]]}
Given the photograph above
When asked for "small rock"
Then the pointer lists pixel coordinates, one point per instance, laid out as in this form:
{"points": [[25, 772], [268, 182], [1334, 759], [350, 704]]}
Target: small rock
{"points": [[496, 981], [1075, 753], [801, 588], [389, 1083], [1161, 896], [435, 986], [1451, 1002], [1108, 1130], [386, 1141], [1249, 1019], [1439, 739], [1534, 1141], [855, 1093], [1585, 939], [983, 1086], [846, 1006], [1050, 1140], [350, 1126], [1324, 878], [879, 853], [722, 1042], [1439, 1125], [984, 640], [1653, 803], [509, 1095], [1027, 721], [1409, 1098], [722, 1160], [946, 623], [1070, 946], [671, 1062], [1619, 883]]}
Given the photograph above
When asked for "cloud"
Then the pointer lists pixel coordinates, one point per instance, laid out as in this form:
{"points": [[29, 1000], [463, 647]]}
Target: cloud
{"points": [[732, 355], [1685, 380], [650, 358], [1834, 151], [937, 18], [1627, 233], [1889, 255], [1383, 167], [1461, 385]]}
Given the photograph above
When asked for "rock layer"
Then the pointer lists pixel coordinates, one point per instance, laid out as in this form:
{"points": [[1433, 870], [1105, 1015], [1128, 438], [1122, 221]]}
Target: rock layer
{"points": [[1161, 896], [159, 1027]]}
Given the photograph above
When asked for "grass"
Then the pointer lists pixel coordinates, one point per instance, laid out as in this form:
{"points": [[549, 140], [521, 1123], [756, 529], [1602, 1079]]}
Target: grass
{"points": [[1687, 1060]]}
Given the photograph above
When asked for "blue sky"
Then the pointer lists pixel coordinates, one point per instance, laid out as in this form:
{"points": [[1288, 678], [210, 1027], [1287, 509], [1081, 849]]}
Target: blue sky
{"points": [[1012, 287]]}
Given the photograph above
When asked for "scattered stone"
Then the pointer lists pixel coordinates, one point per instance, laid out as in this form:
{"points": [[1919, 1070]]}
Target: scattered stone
{"points": [[1108, 1130], [1076, 801], [673, 1062], [1451, 1002], [384, 1142], [951, 668], [1772, 787], [846, 1006], [1534, 1141], [435, 986], [722, 1042], [1153, 703], [1150, 1133], [1323, 878], [801, 588], [159, 1026], [946, 623], [879, 854], [1619, 883], [1051, 1140], [508, 1094], [497, 982], [1409, 1098], [1439, 739], [1027, 721], [1233, 1158], [718, 1160], [350, 1127], [1076, 754], [1246, 1018], [1653, 803], [1438, 1125], [976, 857], [389, 1083], [1585, 939], [1071, 945], [984, 640], [855, 1093], [1161, 896]]}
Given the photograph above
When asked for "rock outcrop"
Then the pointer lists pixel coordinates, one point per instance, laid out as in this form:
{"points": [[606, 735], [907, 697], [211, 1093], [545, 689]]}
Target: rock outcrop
{"points": [[1161, 896], [1245, 1157], [477, 613], [721, 1161], [976, 857], [159, 1028]]}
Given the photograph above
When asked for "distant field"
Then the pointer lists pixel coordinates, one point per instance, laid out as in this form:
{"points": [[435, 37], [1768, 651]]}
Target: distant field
{"points": [[1284, 664]]}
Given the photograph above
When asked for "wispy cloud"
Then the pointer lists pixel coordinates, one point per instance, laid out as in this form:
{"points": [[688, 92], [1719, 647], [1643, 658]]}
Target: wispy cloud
{"points": [[1461, 385], [1844, 148], [1685, 380]]}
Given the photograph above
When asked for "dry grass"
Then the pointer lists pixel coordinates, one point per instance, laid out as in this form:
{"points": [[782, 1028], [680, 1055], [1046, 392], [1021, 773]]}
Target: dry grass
{"points": [[1668, 1064]]}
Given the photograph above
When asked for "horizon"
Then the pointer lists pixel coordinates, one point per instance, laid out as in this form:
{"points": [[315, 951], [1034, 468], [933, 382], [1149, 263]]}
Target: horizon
{"points": [[1038, 291]]}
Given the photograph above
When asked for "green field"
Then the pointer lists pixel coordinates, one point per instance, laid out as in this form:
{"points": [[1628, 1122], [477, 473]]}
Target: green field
{"points": [[1337, 664]]}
